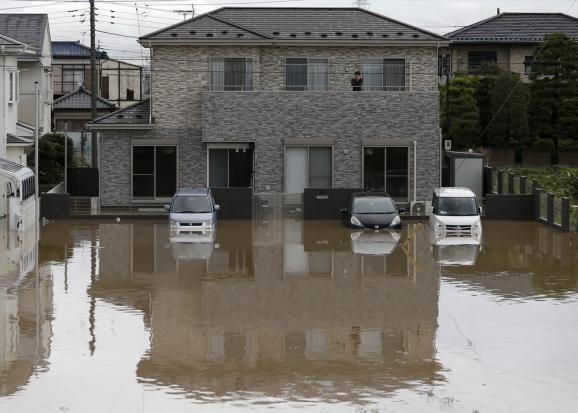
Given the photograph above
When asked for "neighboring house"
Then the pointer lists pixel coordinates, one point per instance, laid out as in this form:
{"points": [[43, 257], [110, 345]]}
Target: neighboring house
{"points": [[32, 30], [261, 98], [16, 181], [118, 81], [508, 40], [71, 112]]}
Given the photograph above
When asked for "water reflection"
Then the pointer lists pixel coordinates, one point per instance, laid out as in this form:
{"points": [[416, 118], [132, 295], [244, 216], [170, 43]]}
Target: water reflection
{"points": [[25, 310], [278, 309], [452, 251], [297, 313]]}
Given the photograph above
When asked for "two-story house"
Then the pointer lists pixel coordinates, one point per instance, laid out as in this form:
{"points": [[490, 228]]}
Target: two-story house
{"points": [[118, 82], [262, 98], [34, 31], [508, 40]]}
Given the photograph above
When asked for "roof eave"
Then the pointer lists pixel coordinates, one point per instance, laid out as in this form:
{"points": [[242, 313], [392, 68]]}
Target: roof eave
{"points": [[189, 42], [120, 126]]}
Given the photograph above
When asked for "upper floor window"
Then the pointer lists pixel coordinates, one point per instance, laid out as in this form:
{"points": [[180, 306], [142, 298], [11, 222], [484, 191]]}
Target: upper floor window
{"points": [[306, 74], [13, 87], [383, 74], [231, 73], [478, 59], [528, 61]]}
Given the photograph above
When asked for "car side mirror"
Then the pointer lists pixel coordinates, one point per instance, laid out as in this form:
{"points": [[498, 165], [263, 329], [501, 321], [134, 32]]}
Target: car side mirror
{"points": [[402, 210], [343, 211], [217, 207], [480, 210], [167, 207]]}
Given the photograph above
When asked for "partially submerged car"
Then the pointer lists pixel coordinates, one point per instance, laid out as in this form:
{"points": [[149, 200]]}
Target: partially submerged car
{"points": [[375, 210], [455, 213], [192, 209]]}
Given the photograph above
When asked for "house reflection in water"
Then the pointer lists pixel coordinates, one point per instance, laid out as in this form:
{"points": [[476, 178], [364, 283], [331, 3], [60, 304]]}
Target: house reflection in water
{"points": [[279, 308], [25, 311]]}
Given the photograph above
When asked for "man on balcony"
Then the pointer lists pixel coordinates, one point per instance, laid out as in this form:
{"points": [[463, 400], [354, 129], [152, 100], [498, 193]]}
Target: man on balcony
{"points": [[357, 82]]}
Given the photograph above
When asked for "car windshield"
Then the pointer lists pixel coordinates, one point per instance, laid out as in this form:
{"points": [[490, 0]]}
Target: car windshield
{"points": [[191, 204], [373, 205], [457, 206]]}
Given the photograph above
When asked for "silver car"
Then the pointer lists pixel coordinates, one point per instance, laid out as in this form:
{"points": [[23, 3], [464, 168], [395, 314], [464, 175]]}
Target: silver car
{"points": [[192, 210]]}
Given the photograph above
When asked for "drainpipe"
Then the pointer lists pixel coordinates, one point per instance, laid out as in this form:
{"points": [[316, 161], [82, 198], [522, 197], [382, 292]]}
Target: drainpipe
{"points": [[414, 171]]}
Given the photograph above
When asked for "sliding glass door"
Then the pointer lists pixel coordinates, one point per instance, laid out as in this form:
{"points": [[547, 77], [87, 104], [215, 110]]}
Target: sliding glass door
{"points": [[386, 169], [230, 167], [154, 171], [308, 167]]}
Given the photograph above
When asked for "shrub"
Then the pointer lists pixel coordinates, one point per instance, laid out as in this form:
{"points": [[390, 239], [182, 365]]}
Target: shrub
{"points": [[544, 144]]}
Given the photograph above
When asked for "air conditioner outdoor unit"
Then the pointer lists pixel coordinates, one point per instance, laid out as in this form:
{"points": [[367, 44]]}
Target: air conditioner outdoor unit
{"points": [[420, 208]]}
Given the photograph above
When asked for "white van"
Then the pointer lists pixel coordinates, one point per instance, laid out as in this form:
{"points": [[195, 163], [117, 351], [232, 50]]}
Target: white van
{"points": [[455, 213]]}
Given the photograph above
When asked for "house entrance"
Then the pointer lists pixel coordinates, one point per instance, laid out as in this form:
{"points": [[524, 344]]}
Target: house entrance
{"points": [[386, 169], [231, 167]]}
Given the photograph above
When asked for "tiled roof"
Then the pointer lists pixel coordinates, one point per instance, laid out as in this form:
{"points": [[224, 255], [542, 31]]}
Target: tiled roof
{"points": [[16, 140], [26, 28], [80, 99], [8, 41], [516, 28], [280, 24], [136, 114], [74, 49]]}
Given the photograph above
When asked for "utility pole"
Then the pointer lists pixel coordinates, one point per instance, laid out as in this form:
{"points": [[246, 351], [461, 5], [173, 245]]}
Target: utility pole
{"points": [[65, 157], [93, 83], [447, 102], [36, 138]]}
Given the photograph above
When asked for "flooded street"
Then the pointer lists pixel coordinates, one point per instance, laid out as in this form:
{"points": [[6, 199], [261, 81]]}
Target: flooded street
{"points": [[288, 315]]}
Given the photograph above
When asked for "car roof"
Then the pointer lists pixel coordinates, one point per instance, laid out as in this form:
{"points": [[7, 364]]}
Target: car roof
{"points": [[455, 193], [191, 191], [372, 194]]}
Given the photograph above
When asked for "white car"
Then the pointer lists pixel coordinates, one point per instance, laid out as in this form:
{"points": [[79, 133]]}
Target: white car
{"points": [[455, 213]]}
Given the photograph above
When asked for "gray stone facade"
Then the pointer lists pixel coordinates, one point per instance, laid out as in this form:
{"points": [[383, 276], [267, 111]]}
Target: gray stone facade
{"points": [[184, 110]]}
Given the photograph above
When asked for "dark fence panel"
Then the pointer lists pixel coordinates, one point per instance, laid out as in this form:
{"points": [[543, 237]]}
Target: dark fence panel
{"points": [[83, 182], [235, 203], [54, 206], [488, 180], [506, 206], [326, 203]]}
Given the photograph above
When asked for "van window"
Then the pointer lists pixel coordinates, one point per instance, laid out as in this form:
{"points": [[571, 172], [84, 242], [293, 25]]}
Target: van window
{"points": [[192, 205], [457, 206], [373, 205]]}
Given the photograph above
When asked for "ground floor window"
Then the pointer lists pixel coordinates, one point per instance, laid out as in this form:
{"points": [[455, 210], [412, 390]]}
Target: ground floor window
{"points": [[386, 169], [230, 167], [308, 167], [154, 171]]}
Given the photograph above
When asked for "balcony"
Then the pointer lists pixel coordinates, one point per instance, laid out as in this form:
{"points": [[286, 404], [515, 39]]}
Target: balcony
{"points": [[247, 116]]}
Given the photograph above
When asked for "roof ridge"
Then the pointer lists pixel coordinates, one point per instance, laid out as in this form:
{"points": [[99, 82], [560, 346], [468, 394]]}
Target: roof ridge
{"points": [[178, 24], [239, 26], [83, 89]]}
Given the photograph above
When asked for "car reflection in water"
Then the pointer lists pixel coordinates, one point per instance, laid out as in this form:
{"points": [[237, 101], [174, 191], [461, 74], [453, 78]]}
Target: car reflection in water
{"points": [[193, 245], [456, 250], [374, 242]]}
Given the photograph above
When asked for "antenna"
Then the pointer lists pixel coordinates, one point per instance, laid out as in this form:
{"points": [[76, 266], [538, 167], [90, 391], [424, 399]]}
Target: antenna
{"points": [[364, 4], [186, 12]]}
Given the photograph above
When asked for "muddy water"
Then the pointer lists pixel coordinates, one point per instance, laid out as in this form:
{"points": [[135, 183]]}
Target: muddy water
{"points": [[279, 314]]}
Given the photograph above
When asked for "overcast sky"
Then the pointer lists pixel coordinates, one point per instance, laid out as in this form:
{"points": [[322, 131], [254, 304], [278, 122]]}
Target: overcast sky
{"points": [[69, 20]]}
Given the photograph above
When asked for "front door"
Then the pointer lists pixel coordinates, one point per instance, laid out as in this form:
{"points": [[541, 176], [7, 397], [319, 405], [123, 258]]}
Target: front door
{"points": [[230, 167]]}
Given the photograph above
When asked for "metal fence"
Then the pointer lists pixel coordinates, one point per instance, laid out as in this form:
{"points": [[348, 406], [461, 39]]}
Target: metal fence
{"points": [[549, 208]]}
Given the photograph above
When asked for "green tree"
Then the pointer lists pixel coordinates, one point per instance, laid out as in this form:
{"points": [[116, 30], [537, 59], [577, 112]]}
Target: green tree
{"points": [[51, 158], [463, 112], [554, 82], [509, 107]]}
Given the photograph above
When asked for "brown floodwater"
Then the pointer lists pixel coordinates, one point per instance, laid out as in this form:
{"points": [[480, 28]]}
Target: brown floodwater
{"points": [[287, 315]]}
